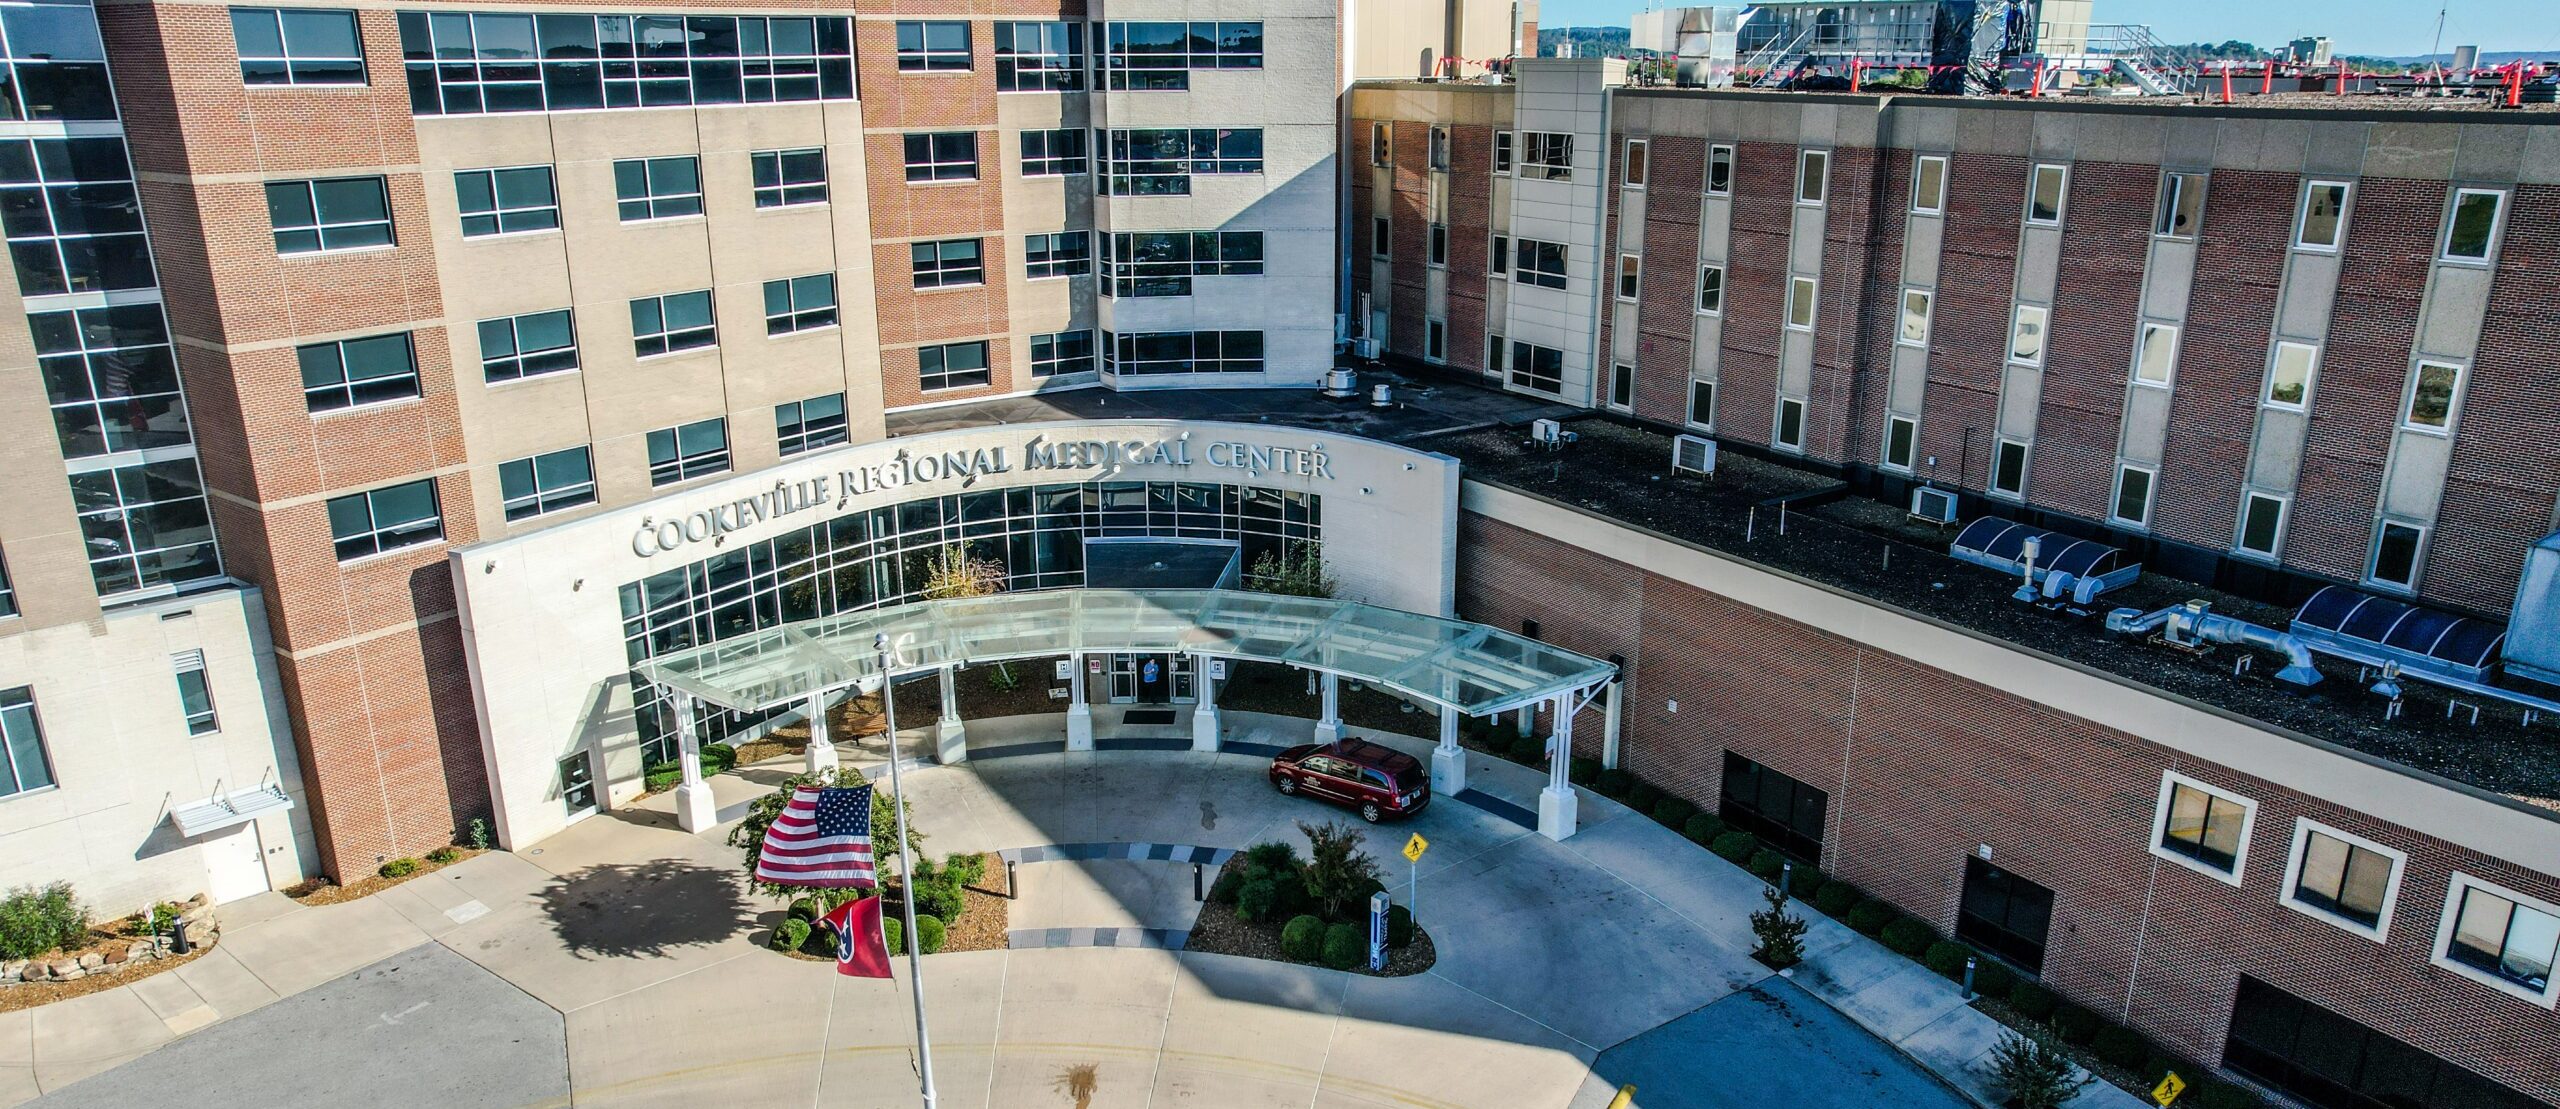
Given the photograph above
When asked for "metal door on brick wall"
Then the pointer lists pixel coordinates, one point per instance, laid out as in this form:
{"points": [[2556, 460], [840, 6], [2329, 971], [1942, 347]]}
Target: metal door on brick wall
{"points": [[235, 864]]}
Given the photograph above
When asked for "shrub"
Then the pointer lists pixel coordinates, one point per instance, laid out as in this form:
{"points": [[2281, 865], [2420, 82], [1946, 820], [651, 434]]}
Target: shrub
{"points": [[1869, 917], [938, 895], [1807, 885], [807, 908], [822, 943], [1338, 872], [790, 934], [34, 920], [1614, 783], [479, 834], [1274, 855], [443, 855], [1908, 936], [1734, 847], [1766, 864], [1780, 934], [930, 932], [1399, 926], [2121, 1046], [1254, 901], [2034, 1072], [968, 870], [1672, 812], [1584, 771], [2032, 1001], [1703, 828], [1289, 895], [1947, 958], [1344, 947], [401, 867], [1836, 899], [2076, 1025], [1230, 879], [1991, 979], [1642, 798], [1529, 750], [1302, 939], [2214, 1093], [894, 931]]}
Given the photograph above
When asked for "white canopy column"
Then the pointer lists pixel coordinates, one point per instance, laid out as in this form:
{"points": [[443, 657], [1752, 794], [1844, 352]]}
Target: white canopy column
{"points": [[695, 810], [1329, 723], [950, 737], [1204, 716], [1079, 713], [1557, 803], [1617, 693], [822, 745], [1448, 760]]}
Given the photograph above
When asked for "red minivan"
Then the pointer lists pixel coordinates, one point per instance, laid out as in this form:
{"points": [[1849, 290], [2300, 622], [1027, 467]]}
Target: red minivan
{"points": [[1379, 781]]}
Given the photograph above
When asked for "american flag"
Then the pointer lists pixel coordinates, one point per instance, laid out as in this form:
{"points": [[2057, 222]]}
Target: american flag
{"points": [[822, 838]]}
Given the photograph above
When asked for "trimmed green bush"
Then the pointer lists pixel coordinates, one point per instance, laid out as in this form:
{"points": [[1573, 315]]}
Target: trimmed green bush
{"points": [[2121, 1046], [1289, 896], [807, 908], [443, 855], [1585, 771], [1399, 926], [1345, 947], [940, 896], [822, 943], [1807, 885], [1909, 937], [790, 934], [1946, 958], [1672, 812], [895, 931], [1703, 828], [1230, 879], [1256, 899], [1529, 750], [1302, 939], [1836, 899], [2076, 1026], [1992, 979], [1766, 864], [1734, 847], [1642, 798], [1272, 855], [1869, 917], [930, 932], [2032, 1001], [2214, 1093], [1614, 784], [968, 870], [37, 919], [401, 867]]}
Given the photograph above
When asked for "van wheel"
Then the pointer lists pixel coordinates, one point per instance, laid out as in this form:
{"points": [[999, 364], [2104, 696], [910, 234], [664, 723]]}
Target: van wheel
{"points": [[1369, 812]]}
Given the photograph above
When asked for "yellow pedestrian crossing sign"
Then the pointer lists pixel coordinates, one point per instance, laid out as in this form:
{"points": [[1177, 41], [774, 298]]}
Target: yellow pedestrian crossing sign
{"points": [[1413, 849], [2169, 1088]]}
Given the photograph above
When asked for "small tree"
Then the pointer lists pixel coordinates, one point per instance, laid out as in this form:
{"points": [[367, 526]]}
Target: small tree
{"points": [[1781, 933], [1297, 570], [1337, 870], [748, 836], [951, 573], [2034, 1071]]}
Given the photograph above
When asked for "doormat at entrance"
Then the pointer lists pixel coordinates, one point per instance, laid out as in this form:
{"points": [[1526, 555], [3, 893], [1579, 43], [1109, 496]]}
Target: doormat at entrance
{"points": [[1147, 716]]}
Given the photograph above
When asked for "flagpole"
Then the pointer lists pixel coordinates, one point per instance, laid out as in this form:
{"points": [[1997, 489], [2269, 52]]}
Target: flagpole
{"points": [[906, 871]]}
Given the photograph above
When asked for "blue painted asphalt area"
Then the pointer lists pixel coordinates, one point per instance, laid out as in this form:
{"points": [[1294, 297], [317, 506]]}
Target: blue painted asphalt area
{"points": [[1770, 1044]]}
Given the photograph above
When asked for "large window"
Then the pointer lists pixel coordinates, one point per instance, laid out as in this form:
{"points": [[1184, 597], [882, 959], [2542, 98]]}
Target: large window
{"points": [[73, 219], [933, 45], [2202, 828], [1163, 263], [1038, 57], [385, 519], [297, 46], [536, 343], [948, 263], [1055, 153], [1537, 367], [688, 451], [952, 366], [1182, 352], [1162, 161], [799, 304], [2500, 937], [785, 178], [351, 372], [1538, 263], [1813, 176], [1929, 184], [112, 379], [1064, 352], [337, 213], [1162, 55], [806, 425], [657, 188], [58, 65], [27, 766], [2473, 230], [544, 483], [506, 201], [195, 693], [1063, 254], [2342, 878], [1785, 812], [673, 322], [468, 63], [2324, 216], [942, 156], [2004, 914], [1546, 155], [146, 525], [2326, 1061]]}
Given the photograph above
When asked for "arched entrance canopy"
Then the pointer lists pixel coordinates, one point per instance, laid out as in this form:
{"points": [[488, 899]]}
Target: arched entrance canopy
{"points": [[1474, 669]]}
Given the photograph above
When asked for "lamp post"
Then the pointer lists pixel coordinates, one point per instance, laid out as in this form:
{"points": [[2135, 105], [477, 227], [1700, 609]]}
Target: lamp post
{"points": [[906, 865]]}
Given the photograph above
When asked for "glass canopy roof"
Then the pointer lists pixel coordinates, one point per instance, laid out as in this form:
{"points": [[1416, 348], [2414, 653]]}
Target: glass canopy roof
{"points": [[1472, 668]]}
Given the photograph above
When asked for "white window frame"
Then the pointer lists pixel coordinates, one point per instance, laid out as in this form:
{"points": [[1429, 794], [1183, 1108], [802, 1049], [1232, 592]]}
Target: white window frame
{"points": [[1628, 368], [2173, 191], [649, 198], [1919, 164], [2310, 376], [2497, 225], [1435, 156], [1382, 150], [2302, 215], [2150, 494], [1435, 342], [1619, 279], [1627, 158], [2141, 345], [1497, 254], [2061, 198], [2452, 402], [2159, 828], [2044, 333], [1811, 287], [928, 58], [499, 210], [1778, 421], [1691, 401], [181, 664], [1379, 232], [1808, 174], [2303, 826], [1707, 179], [1885, 458], [1435, 245], [2549, 997], [2240, 534], [2417, 556], [1928, 311], [1716, 268], [1505, 149], [2026, 464]]}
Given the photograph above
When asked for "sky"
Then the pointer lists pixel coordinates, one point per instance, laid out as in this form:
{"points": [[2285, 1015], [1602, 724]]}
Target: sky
{"points": [[2374, 27]]}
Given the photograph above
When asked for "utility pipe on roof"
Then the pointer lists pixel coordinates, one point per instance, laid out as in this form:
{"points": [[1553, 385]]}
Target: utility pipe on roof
{"points": [[2191, 624]]}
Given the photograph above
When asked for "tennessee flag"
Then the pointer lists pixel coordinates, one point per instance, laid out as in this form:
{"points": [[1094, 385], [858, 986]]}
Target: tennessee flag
{"points": [[860, 949]]}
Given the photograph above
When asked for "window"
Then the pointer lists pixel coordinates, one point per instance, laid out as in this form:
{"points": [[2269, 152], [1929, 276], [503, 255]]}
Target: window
{"points": [[1502, 153], [147, 525], [2342, 878], [951, 366], [2026, 335], [1630, 276], [506, 201], [2133, 495], [73, 218], [337, 213], [786, 178], [2155, 358], [942, 156], [1182, 352], [2395, 554], [799, 304], [1539, 263], [1720, 170], [933, 46], [2004, 914], [112, 379], [1498, 256], [1066, 352], [515, 347], [1537, 367], [1636, 166], [297, 46], [1702, 403], [2044, 194], [1161, 161], [1929, 184], [1787, 813], [2201, 828], [1495, 350], [350, 372], [385, 519], [2473, 230], [1039, 57], [2289, 381], [1378, 243], [1813, 176], [2500, 937], [2431, 394], [806, 425], [28, 769], [688, 451], [1790, 427], [1381, 149], [2324, 216], [657, 188], [1622, 386], [1710, 290], [547, 483], [1915, 318], [1438, 245], [60, 71], [2261, 523], [950, 262], [1435, 341], [674, 322], [1058, 153], [195, 693], [1064, 254], [2009, 468], [8, 594], [1901, 439], [1546, 155], [2181, 205], [2325, 1060], [1440, 149], [1145, 56], [1801, 295], [1163, 263], [466, 63]]}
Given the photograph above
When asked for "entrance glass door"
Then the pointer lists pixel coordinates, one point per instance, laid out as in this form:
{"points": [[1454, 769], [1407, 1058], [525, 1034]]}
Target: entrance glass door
{"points": [[578, 784], [1153, 680]]}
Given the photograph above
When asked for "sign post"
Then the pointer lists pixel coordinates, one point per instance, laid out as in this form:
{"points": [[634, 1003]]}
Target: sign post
{"points": [[2169, 1088], [1378, 931], [1413, 849]]}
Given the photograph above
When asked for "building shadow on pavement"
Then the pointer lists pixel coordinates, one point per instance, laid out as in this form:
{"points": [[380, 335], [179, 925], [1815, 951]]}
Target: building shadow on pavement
{"points": [[631, 910]]}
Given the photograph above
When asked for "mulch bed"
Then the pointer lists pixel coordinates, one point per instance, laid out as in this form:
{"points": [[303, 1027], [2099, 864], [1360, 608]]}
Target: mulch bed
{"points": [[322, 891], [1270, 687], [1220, 932], [984, 920], [2107, 1072]]}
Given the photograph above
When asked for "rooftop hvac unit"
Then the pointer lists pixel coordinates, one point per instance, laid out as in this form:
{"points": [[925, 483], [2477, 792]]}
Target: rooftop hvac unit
{"points": [[1342, 382], [1365, 348], [1546, 433], [1694, 454], [1938, 506]]}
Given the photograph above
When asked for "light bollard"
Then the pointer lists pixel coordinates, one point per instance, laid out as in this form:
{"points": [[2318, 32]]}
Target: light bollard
{"points": [[1969, 962]]}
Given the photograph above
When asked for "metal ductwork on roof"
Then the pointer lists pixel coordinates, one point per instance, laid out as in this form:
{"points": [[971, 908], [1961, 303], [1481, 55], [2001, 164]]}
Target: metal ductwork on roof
{"points": [[2054, 566], [2192, 626]]}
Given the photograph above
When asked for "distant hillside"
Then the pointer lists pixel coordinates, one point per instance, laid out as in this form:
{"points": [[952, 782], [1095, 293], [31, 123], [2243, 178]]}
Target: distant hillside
{"points": [[1587, 41]]}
